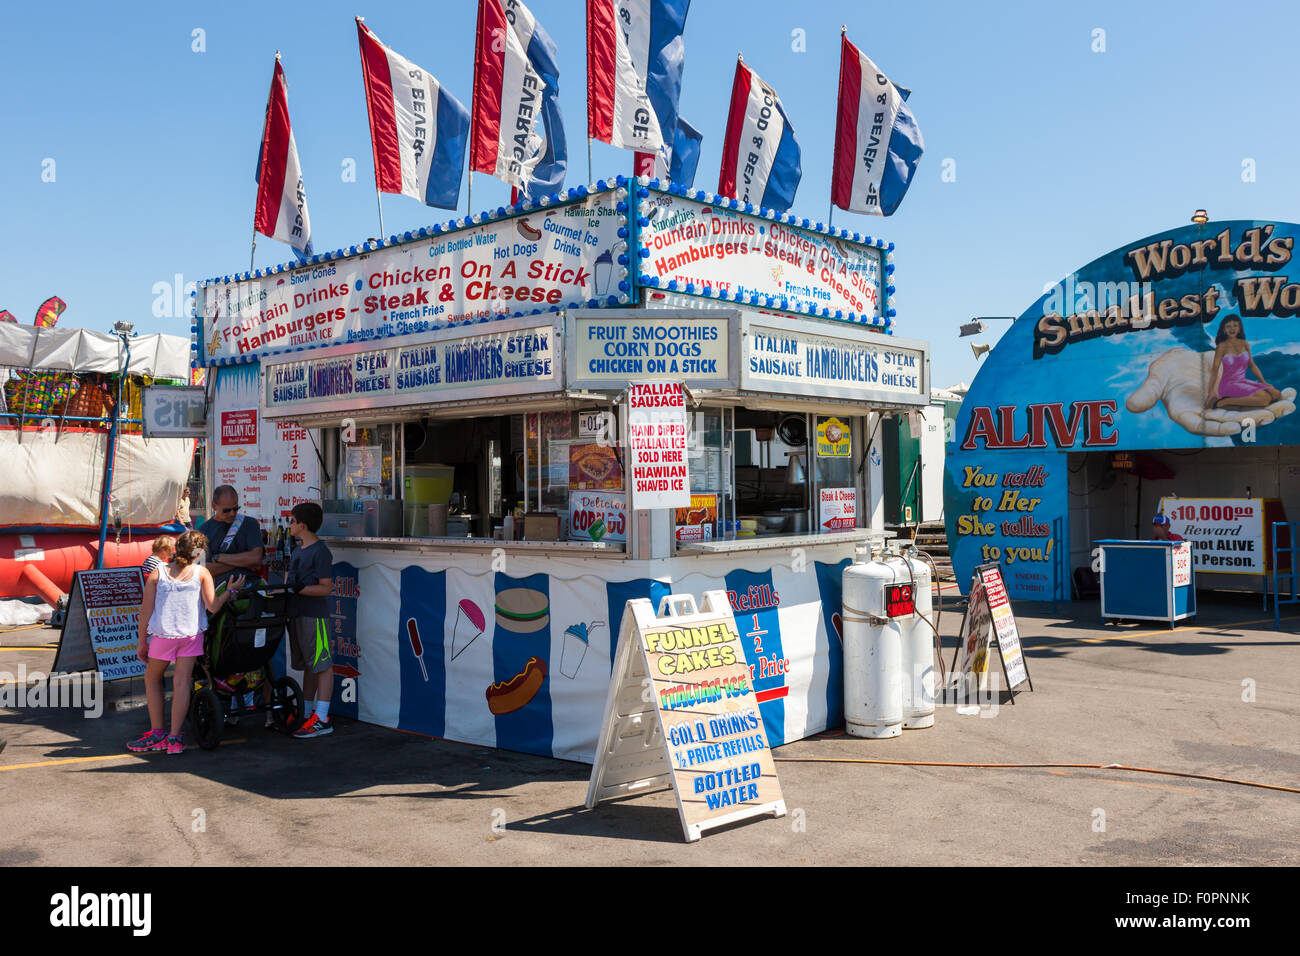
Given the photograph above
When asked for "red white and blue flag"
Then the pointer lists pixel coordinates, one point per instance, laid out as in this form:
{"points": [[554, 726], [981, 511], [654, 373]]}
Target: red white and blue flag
{"points": [[516, 78], [281, 201], [418, 130], [877, 141], [760, 156], [635, 54]]}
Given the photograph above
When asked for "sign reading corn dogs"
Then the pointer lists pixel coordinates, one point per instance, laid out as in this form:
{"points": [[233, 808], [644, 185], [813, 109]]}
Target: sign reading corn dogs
{"points": [[681, 713]]}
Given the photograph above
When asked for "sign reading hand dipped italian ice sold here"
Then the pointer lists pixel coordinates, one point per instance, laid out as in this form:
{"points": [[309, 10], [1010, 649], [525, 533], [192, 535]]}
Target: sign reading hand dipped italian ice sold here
{"points": [[656, 436], [681, 713]]}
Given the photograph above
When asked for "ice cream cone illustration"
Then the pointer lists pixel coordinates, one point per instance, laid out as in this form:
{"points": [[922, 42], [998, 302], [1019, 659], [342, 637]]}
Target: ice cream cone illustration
{"points": [[576, 642], [470, 623]]}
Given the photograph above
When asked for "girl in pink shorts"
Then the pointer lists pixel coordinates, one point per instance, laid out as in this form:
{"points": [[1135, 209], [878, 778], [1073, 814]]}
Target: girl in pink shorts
{"points": [[172, 622]]}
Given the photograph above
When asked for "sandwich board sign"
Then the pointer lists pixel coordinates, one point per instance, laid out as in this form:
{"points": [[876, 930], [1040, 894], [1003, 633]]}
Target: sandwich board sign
{"points": [[101, 630], [681, 713], [989, 621]]}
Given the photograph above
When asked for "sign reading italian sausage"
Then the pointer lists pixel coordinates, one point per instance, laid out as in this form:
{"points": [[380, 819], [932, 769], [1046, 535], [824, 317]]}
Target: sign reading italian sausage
{"points": [[657, 433]]}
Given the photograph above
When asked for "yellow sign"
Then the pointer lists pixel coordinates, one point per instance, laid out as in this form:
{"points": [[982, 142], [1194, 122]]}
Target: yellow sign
{"points": [[834, 439]]}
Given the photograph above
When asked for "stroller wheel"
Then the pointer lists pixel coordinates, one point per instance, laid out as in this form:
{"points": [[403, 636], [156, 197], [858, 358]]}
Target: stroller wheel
{"points": [[286, 698], [207, 718]]}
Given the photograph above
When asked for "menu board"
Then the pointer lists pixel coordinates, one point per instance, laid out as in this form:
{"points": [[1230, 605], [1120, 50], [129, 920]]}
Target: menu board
{"points": [[657, 431], [102, 628], [699, 731], [1004, 626]]}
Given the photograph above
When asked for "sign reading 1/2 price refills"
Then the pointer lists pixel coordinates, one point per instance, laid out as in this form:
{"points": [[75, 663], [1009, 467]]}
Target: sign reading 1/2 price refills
{"points": [[656, 434]]}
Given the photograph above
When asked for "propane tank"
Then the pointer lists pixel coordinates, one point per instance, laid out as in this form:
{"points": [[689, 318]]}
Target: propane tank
{"points": [[918, 648], [873, 647]]}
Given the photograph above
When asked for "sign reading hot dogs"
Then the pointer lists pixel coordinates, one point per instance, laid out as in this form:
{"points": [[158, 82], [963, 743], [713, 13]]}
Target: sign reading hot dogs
{"points": [[711, 746]]}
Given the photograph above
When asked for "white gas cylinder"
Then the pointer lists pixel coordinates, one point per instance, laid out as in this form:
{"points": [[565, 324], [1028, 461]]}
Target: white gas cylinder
{"points": [[873, 648], [918, 649]]}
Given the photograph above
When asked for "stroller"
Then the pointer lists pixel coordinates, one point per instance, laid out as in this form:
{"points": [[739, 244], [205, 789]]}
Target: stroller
{"points": [[238, 646]]}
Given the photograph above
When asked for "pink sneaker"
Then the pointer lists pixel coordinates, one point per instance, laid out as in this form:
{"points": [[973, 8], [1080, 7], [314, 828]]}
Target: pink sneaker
{"points": [[176, 744], [149, 740]]}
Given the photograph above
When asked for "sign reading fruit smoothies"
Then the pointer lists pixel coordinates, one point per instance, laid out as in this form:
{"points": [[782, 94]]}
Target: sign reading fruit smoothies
{"points": [[557, 256], [698, 730]]}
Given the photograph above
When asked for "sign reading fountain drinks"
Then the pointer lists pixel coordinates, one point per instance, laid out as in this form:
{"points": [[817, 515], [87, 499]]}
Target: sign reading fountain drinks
{"points": [[546, 257], [731, 252], [1183, 340]]}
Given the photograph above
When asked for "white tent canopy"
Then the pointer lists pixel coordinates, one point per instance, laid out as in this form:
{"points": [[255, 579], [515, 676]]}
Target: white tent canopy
{"points": [[81, 350]]}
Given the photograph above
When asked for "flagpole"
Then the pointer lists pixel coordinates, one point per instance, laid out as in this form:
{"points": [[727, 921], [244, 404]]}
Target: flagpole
{"points": [[380, 204], [252, 251]]}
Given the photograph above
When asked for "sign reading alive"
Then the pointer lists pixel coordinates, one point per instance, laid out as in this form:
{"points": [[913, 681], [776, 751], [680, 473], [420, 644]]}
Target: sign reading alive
{"points": [[545, 258], [102, 629], [657, 432], [699, 731], [731, 252]]}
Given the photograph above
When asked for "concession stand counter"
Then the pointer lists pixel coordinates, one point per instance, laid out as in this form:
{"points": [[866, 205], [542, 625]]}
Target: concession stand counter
{"points": [[474, 463]]}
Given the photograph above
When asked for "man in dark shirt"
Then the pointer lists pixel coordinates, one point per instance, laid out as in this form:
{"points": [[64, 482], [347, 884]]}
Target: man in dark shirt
{"points": [[243, 551]]}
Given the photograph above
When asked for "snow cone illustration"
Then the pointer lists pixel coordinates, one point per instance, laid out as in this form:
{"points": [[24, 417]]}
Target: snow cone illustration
{"points": [[576, 642], [604, 269], [470, 623]]}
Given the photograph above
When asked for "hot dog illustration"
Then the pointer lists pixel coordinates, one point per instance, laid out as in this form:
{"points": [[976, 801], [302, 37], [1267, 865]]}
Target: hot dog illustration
{"points": [[413, 634], [527, 231], [509, 696]]}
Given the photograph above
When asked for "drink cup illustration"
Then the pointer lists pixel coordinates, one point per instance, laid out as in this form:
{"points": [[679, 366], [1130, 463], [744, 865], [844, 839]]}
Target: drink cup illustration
{"points": [[604, 269], [470, 623], [575, 646]]}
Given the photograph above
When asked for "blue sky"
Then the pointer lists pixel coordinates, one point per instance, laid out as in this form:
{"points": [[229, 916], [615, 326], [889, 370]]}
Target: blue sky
{"points": [[1060, 153]]}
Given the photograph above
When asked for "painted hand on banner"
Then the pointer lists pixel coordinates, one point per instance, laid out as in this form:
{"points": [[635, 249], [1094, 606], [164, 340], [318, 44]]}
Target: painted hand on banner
{"points": [[1180, 378]]}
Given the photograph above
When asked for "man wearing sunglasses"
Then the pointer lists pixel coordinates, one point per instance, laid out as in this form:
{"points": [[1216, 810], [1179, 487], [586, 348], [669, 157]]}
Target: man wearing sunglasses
{"points": [[234, 540]]}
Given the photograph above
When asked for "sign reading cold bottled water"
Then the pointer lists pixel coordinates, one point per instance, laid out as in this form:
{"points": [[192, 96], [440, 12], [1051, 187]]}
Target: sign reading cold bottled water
{"points": [[657, 432]]}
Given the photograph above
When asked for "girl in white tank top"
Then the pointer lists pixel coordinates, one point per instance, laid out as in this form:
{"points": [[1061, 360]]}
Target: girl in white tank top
{"points": [[172, 621]]}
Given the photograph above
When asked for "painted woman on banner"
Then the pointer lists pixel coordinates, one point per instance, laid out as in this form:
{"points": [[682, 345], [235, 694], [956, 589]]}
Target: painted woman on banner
{"points": [[1231, 386]]}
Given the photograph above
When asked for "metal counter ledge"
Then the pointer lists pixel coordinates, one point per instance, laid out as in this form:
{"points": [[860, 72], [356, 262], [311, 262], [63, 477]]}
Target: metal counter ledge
{"points": [[594, 549]]}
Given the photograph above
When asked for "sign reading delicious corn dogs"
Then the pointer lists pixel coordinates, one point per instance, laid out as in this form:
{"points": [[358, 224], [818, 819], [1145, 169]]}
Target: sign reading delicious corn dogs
{"points": [[681, 713]]}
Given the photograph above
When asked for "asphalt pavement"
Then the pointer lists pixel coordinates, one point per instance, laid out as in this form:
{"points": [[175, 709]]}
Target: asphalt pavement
{"points": [[1219, 698]]}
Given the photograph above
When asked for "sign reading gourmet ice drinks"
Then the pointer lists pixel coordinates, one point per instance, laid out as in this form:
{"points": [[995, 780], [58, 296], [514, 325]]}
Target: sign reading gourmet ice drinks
{"points": [[101, 631], [831, 359], [548, 257], [731, 252], [448, 365], [699, 731], [1227, 534], [613, 346], [657, 432]]}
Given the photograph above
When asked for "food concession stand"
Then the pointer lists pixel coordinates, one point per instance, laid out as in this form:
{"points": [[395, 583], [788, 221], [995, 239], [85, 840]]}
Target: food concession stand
{"points": [[465, 392]]}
